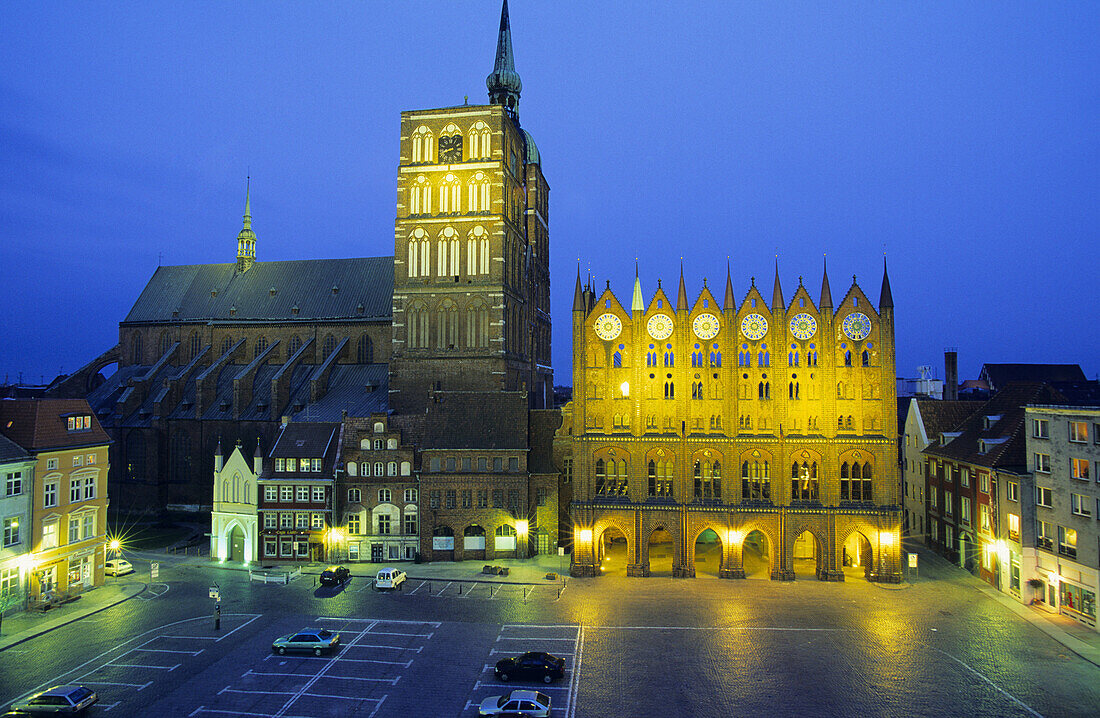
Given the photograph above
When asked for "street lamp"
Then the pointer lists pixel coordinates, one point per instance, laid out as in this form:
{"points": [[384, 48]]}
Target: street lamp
{"points": [[521, 530], [335, 536]]}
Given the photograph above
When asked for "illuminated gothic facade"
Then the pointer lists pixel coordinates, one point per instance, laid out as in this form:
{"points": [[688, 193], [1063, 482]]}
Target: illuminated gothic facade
{"points": [[745, 422]]}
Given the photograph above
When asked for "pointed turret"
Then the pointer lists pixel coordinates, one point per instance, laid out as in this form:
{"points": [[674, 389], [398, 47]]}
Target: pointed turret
{"points": [[578, 293], [885, 298], [826, 295], [503, 82], [246, 238], [729, 302], [777, 291], [219, 459], [257, 460], [637, 304], [682, 295]]}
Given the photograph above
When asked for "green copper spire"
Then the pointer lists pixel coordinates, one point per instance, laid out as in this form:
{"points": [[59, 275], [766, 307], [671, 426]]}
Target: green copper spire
{"points": [[246, 238], [637, 304], [503, 82]]}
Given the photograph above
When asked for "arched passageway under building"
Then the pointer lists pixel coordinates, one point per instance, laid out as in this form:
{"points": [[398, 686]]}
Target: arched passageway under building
{"points": [[613, 552], [806, 556], [756, 556], [708, 554], [857, 556], [661, 552]]}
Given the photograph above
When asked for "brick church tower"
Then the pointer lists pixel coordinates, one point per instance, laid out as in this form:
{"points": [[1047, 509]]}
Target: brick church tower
{"points": [[471, 292]]}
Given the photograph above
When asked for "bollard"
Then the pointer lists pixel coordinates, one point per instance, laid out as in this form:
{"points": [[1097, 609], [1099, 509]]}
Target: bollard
{"points": [[217, 616]]}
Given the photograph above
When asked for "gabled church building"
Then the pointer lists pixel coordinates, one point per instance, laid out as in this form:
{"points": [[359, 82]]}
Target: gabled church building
{"points": [[740, 434]]}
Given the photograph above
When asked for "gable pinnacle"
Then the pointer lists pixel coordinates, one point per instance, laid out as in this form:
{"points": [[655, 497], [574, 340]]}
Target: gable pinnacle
{"points": [[885, 297], [637, 304], [826, 294], [503, 82], [777, 291], [682, 295], [729, 302]]}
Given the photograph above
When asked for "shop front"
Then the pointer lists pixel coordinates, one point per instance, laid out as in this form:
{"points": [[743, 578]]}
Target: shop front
{"points": [[1078, 602]]}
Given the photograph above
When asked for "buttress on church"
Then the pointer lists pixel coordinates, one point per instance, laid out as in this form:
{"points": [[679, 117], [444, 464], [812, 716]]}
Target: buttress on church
{"points": [[427, 379]]}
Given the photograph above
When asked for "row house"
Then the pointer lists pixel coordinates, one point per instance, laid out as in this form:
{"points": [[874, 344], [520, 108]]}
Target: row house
{"points": [[378, 494], [965, 466], [68, 527], [16, 490], [295, 492], [1060, 508]]}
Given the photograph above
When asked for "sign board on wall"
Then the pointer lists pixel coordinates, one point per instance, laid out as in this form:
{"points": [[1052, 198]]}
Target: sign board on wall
{"points": [[443, 543]]}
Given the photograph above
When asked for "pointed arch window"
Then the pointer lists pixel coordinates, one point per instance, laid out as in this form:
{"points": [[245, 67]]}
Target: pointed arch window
{"points": [[165, 343], [447, 326], [447, 253], [328, 347], [364, 350], [450, 194], [847, 358], [670, 390], [477, 193], [477, 251], [419, 259], [261, 347], [477, 325], [866, 358], [136, 349], [716, 359], [804, 481], [697, 390], [295, 344], [670, 358], [792, 390], [420, 196], [601, 477], [755, 481], [227, 344], [763, 356], [479, 141], [423, 145], [193, 345]]}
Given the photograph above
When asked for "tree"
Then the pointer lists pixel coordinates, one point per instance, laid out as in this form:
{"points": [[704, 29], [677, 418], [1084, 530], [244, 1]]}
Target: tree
{"points": [[8, 599]]}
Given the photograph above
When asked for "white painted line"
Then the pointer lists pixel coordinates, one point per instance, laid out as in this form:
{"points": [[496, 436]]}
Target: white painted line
{"points": [[168, 650], [195, 638], [204, 709], [578, 652], [379, 621], [443, 589], [108, 706], [422, 584], [327, 695], [391, 681], [406, 635], [406, 664], [138, 665], [380, 702], [227, 689], [534, 638], [138, 686], [238, 628], [1002, 691], [418, 649]]}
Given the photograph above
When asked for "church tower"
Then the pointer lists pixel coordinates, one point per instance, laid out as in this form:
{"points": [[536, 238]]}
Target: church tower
{"points": [[471, 294]]}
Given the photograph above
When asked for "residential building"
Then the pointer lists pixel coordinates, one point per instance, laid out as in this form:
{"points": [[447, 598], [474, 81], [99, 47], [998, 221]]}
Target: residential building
{"points": [[68, 532], [378, 495], [16, 492], [924, 421], [295, 494], [1063, 459]]}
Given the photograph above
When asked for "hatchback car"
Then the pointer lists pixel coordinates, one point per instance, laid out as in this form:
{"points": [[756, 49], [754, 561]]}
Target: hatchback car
{"points": [[530, 703], [117, 567], [532, 666], [335, 576], [389, 578], [59, 699], [306, 640]]}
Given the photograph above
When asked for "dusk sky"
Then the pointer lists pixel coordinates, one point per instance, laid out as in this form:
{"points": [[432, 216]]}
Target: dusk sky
{"points": [[961, 138]]}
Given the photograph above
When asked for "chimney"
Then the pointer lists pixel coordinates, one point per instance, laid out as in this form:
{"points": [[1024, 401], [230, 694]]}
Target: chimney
{"points": [[951, 374]]}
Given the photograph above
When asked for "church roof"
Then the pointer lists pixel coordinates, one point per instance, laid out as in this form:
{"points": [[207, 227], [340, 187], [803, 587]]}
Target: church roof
{"points": [[359, 289]]}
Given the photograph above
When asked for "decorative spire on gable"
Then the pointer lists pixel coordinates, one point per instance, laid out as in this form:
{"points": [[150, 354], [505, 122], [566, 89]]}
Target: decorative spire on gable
{"points": [[246, 238], [503, 82], [826, 295], [578, 293], [777, 291], [682, 295], [729, 302], [636, 302], [885, 297]]}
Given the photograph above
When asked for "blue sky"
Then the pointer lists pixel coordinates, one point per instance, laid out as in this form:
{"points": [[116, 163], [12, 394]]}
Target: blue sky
{"points": [[961, 138]]}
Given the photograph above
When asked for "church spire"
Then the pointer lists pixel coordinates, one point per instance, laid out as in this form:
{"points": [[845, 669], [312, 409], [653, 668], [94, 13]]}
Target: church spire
{"points": [[777, 291], [682, 295], [503, 82], [885, 297], [826, 295], [578, 294], [636, 302], [729, 302], [246, 238]]}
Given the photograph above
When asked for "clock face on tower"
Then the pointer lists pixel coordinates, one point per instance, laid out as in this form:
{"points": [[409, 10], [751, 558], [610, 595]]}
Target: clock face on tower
{"points": [[803, 326], [754, 327], [450, 149], [608, 327], [659, 327], [857, 326], [705, 326]]}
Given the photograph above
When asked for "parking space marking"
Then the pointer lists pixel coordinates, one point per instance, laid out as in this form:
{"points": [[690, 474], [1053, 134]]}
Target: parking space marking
{"points": [[433, 624], [139, 686], [534, 638], [391, 681], [407, 635], [195, 638], [309, 684], [403, 664], [222, 638], [422, 584], [169, 650], [138, 665], [204, 709], [578, 657]]}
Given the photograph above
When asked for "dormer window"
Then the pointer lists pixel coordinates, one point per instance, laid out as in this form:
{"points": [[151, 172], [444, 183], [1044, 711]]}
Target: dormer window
{"points": [[79, 423], [990, 420]]}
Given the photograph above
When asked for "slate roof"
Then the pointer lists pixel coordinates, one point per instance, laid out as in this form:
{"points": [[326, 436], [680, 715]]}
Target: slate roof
{"points": [[41, 424], [11, 452], [999, 375], [208, 292], [1009, 405], [938, 416], [544, 423], [300, 439]]}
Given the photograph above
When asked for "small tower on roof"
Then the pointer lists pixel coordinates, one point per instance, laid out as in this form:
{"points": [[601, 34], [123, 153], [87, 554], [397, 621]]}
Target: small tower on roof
{"points": [[246, 238], [503, 82]]}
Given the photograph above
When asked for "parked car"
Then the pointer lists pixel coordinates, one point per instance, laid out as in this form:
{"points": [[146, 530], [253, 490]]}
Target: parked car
{"points": [[306, 640], [530, 703], [335, 576], [532, 666], [389, 578], [117, 567], [59, 699]]}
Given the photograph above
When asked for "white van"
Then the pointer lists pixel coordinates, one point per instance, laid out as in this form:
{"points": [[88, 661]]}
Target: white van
{"points": [[389, 578]]}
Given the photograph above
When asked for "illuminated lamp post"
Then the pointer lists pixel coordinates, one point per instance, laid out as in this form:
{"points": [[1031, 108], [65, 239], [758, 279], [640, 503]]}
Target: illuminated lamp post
{"points": [[582, 546], [521, 537], [335, 538]]}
